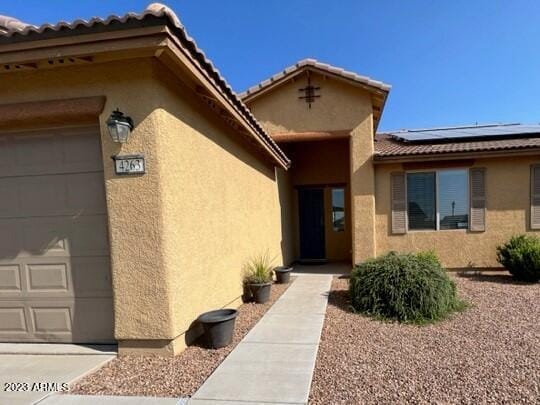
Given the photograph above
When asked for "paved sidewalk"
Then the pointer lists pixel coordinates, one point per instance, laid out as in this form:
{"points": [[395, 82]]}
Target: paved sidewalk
{"points": [[274, 363], [37, 374], [60, 399]]}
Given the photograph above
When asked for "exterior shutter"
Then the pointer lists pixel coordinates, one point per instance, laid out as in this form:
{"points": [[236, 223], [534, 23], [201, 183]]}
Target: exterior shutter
{"points": [[477, 215], [535, 197], [399, 203]]}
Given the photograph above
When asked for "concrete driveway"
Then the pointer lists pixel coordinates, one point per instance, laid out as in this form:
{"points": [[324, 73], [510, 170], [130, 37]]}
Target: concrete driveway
{"points": [[30, 372]]}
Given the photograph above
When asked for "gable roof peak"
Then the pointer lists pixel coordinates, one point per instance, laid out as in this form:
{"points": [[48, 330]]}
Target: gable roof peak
{"points": [[378, 90], [316, 65]]}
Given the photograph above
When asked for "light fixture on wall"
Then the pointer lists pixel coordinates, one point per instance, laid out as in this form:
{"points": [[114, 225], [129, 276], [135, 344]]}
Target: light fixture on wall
{"points": [[119, 126]]}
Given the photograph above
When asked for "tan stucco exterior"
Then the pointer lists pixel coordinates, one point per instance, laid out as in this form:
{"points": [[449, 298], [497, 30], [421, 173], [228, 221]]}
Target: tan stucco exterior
{"points": [[507, 214], [216, 191], [220, 205], [321, 164], [137, 304], [341, 107], [180, 233], [314, 162]]}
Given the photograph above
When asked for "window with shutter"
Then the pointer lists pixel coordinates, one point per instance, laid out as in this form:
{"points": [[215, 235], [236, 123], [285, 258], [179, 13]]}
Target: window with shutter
{"points": [[399, 203], [535, 197], [478, 199]]}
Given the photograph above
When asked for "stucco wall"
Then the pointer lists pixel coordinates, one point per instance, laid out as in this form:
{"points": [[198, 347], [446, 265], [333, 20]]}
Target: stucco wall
{"points": [[340, 107], [325, 164], [221, 204], [179, 234], [508, 198], [140, 285]]}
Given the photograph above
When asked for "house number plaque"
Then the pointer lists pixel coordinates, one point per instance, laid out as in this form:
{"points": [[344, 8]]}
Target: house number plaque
{"points": [[129, 164]]}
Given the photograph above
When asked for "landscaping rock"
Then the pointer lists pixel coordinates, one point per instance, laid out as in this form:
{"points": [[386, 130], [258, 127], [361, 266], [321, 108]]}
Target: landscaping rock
{"points": [[489, 354]]}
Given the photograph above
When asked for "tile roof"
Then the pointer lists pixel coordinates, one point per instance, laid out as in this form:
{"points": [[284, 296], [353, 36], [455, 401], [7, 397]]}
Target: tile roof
{"points": [[469, 132], [9, 24], [12, 28], [387, 146], [378, 90], [320, 66]]}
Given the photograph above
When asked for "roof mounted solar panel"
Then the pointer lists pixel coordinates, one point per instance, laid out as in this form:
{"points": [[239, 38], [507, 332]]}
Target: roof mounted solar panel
{"points": [[477, 132]]}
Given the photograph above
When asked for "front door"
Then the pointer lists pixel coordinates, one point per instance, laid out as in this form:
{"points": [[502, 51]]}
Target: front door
{"points": [[311, 206]]}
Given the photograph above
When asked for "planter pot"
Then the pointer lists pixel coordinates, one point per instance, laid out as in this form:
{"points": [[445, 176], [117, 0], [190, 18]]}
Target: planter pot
{"points": [[218, 327], [283, 274], [260, 292]]}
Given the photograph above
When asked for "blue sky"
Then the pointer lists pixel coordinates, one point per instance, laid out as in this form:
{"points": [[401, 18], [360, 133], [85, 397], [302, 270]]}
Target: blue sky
{"points": [[449, 62]]}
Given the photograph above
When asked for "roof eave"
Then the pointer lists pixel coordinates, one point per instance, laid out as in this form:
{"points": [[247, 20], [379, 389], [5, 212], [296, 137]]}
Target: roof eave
{"points": [[526, 151], [21, 48], [379, 89]]}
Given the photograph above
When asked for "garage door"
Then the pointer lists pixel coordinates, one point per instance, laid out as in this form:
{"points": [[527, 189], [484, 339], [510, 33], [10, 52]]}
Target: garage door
{"points": [[55, 283]]}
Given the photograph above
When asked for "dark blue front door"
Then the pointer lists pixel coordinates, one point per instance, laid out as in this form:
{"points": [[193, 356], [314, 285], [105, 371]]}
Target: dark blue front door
{"points": [[311, 207]]}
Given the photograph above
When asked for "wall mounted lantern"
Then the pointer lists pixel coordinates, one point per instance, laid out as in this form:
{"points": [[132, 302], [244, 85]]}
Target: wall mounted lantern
{"points": [[119, 126]]}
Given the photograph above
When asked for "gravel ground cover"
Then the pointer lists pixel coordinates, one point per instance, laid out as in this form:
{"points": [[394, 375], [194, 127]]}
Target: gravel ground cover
{"points": [[180, 376], [488, 354]]}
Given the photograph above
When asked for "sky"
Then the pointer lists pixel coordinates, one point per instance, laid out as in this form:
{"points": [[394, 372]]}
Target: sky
{"points": [[451, 62]]}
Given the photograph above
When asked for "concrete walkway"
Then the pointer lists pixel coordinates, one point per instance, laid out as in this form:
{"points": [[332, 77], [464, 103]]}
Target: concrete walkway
{"points": [[39, 375], [274, 363], [60, 399]]}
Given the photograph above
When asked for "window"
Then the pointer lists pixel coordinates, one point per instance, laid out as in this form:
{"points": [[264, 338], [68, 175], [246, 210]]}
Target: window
{"points": [[421, 200], [338, 209], [438, 200], [453, 199]]}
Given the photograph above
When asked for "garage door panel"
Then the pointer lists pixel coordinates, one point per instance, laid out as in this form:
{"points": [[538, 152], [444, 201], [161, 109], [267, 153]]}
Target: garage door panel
{"points": [[35, 153], [50, 191], [88, 236], [81, 153], [93, 317], [50, 152], [55, 281], [61, 277], [51, 320], [45, 236], [77, 321], [10, 196], [11, 239], [85, 194], [71, 194], [13, 321], [91, 276], [48, 278], [30, 236], [10, 279]]}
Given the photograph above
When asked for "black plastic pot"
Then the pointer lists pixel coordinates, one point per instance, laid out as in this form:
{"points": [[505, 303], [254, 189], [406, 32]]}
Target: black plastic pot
{"points": [[283, 274], [218, 327], [260, 292]]}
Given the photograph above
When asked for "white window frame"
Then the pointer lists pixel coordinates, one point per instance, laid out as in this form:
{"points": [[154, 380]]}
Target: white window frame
{"points": [[437, 213]]}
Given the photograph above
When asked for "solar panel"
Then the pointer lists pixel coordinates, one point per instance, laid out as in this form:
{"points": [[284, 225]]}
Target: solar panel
{"points": [[463, 133]]}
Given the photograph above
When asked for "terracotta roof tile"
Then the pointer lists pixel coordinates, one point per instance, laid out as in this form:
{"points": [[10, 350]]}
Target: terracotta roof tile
{"points": [[12, 28], [318, 65], [387, 146]]}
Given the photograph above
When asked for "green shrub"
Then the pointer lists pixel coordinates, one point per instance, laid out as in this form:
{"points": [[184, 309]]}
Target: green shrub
{"points": [[404, 287], [521, 257], [258, 269]]}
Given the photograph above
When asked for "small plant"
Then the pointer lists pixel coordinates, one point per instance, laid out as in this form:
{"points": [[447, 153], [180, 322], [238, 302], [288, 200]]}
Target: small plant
{"points": [[258, 270], [404, 287], [521, 257]]}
